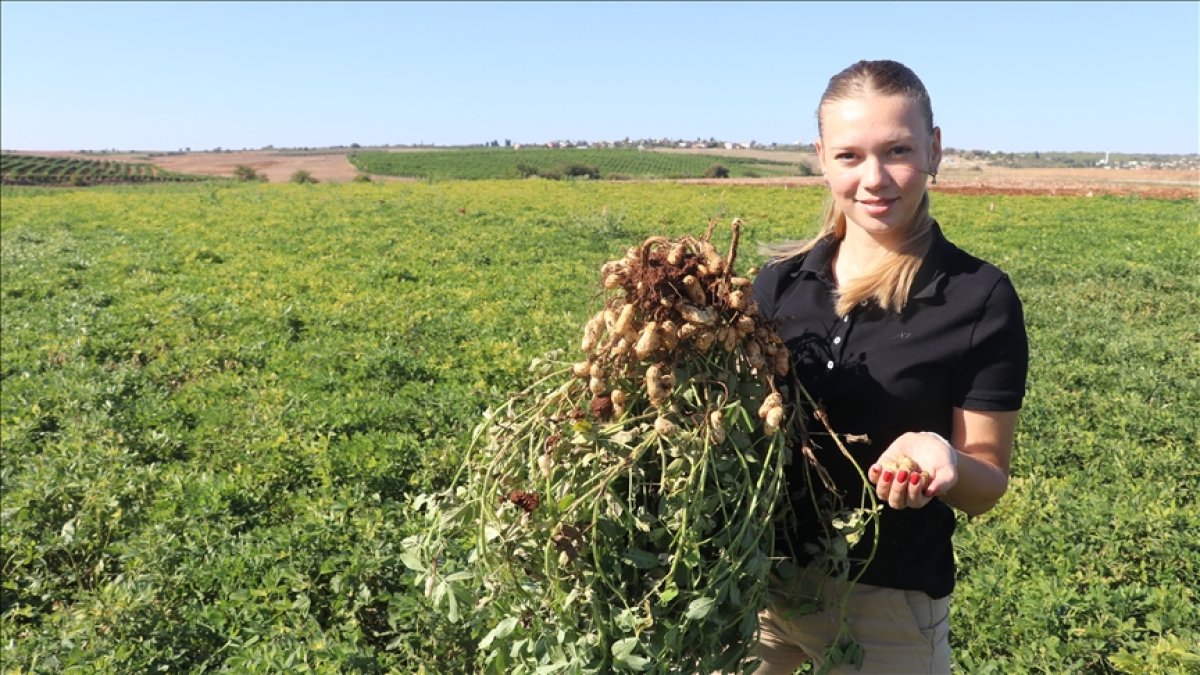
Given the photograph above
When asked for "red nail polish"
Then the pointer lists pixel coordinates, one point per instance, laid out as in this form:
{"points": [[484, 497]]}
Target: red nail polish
{"points": [[915, 478], [887, 476]]}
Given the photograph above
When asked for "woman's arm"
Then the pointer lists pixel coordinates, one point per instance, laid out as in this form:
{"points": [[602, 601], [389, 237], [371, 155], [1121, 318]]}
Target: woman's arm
{"points": [[984, 442], [970, 476]]}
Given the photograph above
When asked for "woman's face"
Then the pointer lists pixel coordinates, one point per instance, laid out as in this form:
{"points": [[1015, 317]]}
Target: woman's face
{"points": [[876, 151]]}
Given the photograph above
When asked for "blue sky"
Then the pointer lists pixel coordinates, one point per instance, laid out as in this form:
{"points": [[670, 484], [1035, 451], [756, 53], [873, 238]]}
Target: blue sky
{"points": [[1005, 76]]}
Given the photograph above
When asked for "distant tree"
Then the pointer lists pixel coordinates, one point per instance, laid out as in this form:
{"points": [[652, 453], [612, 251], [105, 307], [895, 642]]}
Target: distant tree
{"points": [[302, 177], [716, 171], [246, 173], [578, 170]]}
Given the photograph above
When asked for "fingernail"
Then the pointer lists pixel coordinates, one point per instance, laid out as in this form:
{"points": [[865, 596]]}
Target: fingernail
{"points": [[914, 478], [902, 476], [887, 476]]}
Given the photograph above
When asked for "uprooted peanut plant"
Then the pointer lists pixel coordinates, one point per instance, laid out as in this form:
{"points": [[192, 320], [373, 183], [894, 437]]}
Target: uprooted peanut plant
{"points": [[620, 513]]}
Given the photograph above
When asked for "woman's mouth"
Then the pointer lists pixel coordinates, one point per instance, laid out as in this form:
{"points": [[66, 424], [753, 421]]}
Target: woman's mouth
{"points": [[876, 207]]}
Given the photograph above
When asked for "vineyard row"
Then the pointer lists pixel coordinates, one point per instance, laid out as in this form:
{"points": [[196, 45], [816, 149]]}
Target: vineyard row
{"points": [[48, 171]]}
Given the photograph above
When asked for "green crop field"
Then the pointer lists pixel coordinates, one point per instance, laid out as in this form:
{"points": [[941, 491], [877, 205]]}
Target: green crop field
{"points": [[46, 171], [604, 163], [216, 400]]}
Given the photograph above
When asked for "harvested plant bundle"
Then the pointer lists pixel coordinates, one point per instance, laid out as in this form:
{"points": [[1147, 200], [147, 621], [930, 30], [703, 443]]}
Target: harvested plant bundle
{"points": [[620, 513]]}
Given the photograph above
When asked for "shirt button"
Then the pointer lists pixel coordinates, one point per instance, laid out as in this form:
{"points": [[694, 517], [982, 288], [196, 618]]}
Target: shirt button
{"points": [[829, 366], [845, 318], [837, 340]]}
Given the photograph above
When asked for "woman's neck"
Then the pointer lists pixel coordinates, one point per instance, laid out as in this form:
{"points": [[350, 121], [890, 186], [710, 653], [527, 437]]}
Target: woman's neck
{"points": [[856, 254]]}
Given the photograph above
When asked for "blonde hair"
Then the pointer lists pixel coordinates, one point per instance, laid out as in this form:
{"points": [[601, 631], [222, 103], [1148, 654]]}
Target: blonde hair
{"points": [[889, 280]]}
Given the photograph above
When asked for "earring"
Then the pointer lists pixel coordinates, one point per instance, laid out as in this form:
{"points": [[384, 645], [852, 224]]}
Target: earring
{"points": [[933, 175]]}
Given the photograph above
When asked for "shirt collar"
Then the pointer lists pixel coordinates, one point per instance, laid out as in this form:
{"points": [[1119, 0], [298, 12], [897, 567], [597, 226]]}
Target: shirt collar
{"points": [[819, 260]]}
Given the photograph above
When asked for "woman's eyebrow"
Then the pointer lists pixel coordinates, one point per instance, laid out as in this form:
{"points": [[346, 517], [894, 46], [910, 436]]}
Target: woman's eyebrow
{"points": [[892, 140]]}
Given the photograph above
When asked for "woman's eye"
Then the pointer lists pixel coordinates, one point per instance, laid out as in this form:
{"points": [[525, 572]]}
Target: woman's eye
{"points": [[844, 156]]}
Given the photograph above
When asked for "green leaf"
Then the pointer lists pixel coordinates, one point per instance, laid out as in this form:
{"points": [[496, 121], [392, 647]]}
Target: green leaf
{"points": [[623, 656], [411, 559], [643, 560], [453, 614], [749, 624], [623, 648], [461, 575], [638, 663], [499, 632], [700, 608]]}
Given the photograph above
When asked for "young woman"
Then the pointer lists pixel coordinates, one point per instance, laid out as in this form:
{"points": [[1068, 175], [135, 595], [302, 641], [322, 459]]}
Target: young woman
{"points": [[905, 339]]}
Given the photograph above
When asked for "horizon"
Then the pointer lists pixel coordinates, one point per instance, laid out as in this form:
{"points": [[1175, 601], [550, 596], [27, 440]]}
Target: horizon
{"points": [[167, 76], [577, 142], [355, 147]]}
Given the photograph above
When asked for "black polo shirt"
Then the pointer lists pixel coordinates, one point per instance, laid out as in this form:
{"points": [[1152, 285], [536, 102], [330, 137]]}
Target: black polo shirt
{"points": [[960, 342]]}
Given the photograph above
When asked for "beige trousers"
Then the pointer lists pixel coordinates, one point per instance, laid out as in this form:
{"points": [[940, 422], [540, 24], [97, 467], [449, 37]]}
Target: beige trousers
{"points": [[899, 631]]}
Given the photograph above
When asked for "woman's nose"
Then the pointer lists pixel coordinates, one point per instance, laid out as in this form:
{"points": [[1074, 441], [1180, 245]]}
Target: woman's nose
{"points": [[874, 173]]}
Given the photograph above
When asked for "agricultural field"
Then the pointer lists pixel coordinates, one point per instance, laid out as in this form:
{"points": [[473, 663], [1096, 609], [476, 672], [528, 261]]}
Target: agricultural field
{"points": [[217, 400], [45, 171], [604, 163]]}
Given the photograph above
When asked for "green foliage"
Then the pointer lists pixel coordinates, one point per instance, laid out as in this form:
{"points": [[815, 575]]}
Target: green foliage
{"points": [[557, 171], [248, 174], [621, 511], [662, 551], [1086, 564], [473, 164], [716, 171], [302, 177], [216, 398], [580, 170], [526, 170]]}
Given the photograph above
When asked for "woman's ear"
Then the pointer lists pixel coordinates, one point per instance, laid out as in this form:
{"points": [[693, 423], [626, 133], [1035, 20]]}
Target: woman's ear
{"points": [[820, 156]]}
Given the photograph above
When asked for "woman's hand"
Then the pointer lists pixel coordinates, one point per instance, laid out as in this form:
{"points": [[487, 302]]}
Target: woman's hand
{"points": [[910, 489]]}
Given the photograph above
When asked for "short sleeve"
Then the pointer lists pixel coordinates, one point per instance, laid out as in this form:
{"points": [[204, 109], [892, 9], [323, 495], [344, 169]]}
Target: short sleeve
{"points": [[992, 376]]}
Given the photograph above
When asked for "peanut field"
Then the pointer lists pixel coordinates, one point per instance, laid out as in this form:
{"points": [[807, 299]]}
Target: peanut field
{"points": [[216, 400]]}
